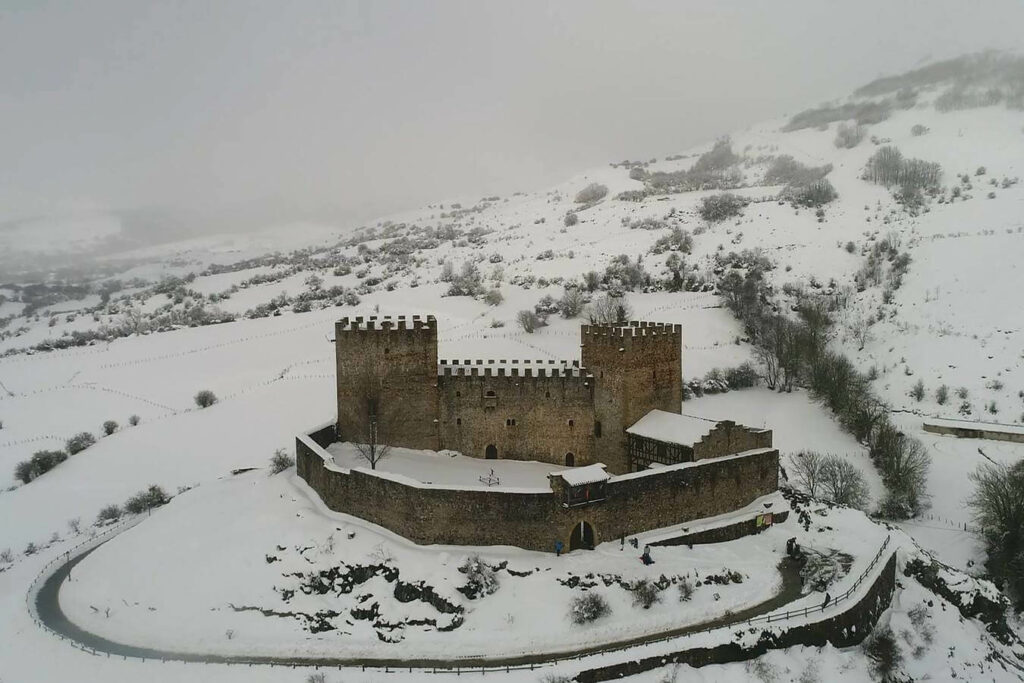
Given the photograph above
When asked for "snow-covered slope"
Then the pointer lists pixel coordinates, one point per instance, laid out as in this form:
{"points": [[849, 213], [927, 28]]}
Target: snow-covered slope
{"points": [[261, 328]]}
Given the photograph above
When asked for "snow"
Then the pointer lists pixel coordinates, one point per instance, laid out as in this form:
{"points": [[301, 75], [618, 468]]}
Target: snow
{"points": [[955, 321], [449, 469], [588, 474], [671, 428]]}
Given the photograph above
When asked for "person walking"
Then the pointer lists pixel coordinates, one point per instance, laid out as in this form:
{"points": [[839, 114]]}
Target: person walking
{"points": [[558, 548], [828, 599]]}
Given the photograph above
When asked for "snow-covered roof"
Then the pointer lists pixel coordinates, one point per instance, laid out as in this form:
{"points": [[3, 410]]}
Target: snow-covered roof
{"points": [[979, 426], [590, 474], [671, 427]]}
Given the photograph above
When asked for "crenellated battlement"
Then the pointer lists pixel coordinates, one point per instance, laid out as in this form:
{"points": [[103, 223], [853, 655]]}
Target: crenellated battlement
{"points": [[512, 368], [376, 323], [638, 334]]}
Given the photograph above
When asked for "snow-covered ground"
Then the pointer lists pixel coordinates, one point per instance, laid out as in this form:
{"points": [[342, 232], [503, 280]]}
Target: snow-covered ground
{"points": [[955, 321]]}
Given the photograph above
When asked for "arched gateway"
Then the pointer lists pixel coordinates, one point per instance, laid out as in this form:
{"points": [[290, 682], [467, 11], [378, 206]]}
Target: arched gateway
{"points": [[582, 537], [491, 452]]}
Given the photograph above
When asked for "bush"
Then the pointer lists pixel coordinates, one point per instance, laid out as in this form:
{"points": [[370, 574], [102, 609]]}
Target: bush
{"points": [[133, 420], [942, 395], [743, 376], [685, 589], [884, 652], [719, 207], [849, 136], [677, 240], [529, 321], [570, 219], [110, 513], [591, 193], [918, 130], [205, 398], [917, 391], [904, 463], [40, 463], [23, 471], [79, 442], [468, 282], [142, 501], [588, 607], [280, 461], [109, 427], [571, 303], [645, 594], [482, 579], [493, 297], [816, 194]]}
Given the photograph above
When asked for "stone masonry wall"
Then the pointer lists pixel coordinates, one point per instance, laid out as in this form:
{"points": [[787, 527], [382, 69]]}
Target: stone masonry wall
{"points": [[536, 520], [728, 437], [393, 362], [637, 368], [529, 417], [846, 629]]}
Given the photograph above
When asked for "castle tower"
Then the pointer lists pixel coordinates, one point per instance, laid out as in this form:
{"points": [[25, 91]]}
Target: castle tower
{"points": [[637, 367], [387, 380]]}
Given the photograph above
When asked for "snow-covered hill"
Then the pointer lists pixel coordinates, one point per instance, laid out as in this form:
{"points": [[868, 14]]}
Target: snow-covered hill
{"points": [[250, 319]]}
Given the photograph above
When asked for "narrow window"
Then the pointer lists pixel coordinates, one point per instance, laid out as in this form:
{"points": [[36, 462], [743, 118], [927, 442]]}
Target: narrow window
{"points": [[458, 394], [597, 428], [458, 420], [387, 351], [508, 422], [572, 422], [490, 394], [547, 394]]}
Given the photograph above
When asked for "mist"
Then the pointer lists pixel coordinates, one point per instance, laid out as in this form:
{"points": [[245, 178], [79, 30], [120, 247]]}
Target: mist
{"points": [[241, 115]]}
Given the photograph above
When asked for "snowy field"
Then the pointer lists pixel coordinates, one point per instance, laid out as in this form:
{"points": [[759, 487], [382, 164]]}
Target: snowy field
{"points": [[954, 321]]}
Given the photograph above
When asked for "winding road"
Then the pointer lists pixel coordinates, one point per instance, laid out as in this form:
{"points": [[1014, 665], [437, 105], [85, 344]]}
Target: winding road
{"points": [[47, 604]]}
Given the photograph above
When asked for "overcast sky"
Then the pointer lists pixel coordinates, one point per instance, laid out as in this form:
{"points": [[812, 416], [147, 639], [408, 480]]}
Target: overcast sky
{"points": [[262, 112]]}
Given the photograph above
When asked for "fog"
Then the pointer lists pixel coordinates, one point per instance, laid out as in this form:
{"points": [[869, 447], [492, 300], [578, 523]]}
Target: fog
{"points": [[253, 113]]}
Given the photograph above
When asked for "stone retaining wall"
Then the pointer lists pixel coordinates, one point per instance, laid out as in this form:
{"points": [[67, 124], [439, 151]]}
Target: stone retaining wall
{"points": [[535, 519], [849, 628]]}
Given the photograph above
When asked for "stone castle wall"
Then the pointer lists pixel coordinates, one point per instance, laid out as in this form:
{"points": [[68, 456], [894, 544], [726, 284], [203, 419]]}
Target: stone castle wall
{"points": [[542, 413], [394, 364], [637, 368], [390, 367], [536, 519], [728, 437], [846, 629]]}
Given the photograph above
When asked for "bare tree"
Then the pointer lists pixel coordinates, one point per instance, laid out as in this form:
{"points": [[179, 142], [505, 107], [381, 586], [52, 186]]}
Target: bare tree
{"points": [[807, 470], [843, 483], [376, 419], [609, 310], [133, 321]]}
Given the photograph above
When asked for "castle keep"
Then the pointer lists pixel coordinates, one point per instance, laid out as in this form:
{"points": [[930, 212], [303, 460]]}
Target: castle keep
{"points": [[561, 412], [613, 417]]}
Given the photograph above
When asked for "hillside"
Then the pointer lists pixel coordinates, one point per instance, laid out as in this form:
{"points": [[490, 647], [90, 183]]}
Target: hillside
{"points": [[921, 278]]}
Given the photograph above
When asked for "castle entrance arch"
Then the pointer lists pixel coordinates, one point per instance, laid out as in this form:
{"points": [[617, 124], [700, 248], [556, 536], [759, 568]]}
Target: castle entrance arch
{"points": [[582, 537], [491, 452], [570, 460]]}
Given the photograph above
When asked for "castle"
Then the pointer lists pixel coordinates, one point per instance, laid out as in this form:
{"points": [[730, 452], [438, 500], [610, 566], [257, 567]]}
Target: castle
{"points": [[613, 417]]}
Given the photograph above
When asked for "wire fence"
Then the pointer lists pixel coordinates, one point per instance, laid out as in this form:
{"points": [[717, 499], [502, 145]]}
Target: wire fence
{"points": [[452, 667]]}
